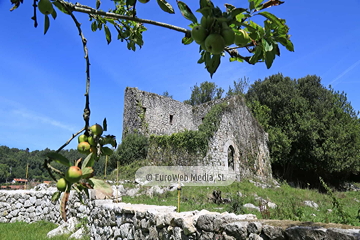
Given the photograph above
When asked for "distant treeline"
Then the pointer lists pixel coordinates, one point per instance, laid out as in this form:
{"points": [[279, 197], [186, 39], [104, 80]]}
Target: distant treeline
{"points": [[13, 163]]}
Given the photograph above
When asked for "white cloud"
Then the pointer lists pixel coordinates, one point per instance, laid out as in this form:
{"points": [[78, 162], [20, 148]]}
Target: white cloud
{"points": [[344, 72], [36, 117]]}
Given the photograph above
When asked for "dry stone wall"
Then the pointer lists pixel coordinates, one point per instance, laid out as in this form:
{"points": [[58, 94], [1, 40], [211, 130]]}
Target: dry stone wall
{"points": [[122, 221], [31, 206]]}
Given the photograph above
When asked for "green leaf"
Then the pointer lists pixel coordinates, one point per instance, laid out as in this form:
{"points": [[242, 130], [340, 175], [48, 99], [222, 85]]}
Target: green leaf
{"points": [[212, 64], [55, 196], [269, 58], [239, 17], [186, 11], [206, 3], [277, 49], [87, 172], [285, 42], [101, 186], [267, 46], [108, 139], [93, 26], [238, 11], [105, 125], [60, 7], [272, 18], [255, 4], [206, 11], [202, 58], [107, 34], [46, 24], [88, 162], [165, 6], [130, 2], [54, 14], [98, 2], [229, 7], [57, 157], [257, 55], [187, 40]]}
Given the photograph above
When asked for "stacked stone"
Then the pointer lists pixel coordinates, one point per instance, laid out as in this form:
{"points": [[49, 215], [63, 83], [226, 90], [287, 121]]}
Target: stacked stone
{"points": [[31, 206], [125, 221]]}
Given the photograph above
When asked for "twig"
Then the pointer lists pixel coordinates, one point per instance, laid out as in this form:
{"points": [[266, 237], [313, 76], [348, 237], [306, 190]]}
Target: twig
{"points": [[50, 168], [34, 17], [86, 114], [70, 139], [234, 53], [89, 10]]}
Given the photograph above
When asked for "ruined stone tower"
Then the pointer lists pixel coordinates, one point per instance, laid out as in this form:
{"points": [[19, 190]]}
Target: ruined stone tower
{"points": [[238, 142]]}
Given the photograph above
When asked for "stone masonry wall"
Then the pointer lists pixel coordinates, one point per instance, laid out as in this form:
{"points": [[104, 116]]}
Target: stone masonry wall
{"points": [[31, 206], [108, 220], [150, 113], [238, 131], [242, 132]]}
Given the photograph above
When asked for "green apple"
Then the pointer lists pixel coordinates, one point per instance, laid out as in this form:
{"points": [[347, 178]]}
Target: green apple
{"points": [[61, 184], [242, 38], [202, 45], [73, 174], [45, 7], [96, 129], [83, 147], [228, 34], [203, 22], [215, 43], [144, 1], [82, 138], [91, 140], [198, 33]]}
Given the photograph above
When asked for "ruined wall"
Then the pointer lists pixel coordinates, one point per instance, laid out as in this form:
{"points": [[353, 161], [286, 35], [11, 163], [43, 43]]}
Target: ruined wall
{"points": [[150, 113], [241, 132], [238, 134]]}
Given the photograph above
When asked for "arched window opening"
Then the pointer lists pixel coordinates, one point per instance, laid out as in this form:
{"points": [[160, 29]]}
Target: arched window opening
{"points": [[231, 152]]}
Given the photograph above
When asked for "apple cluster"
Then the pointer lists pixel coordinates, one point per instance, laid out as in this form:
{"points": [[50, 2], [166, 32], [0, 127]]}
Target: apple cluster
{"points": [[88, 144], [214, 34], [72, 175]]}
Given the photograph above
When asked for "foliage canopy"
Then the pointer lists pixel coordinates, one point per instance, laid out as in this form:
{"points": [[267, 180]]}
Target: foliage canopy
{"points": [[313, 130]]}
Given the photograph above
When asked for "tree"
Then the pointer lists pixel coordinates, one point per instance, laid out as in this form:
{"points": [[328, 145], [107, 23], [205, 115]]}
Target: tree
{"points": [[240, 87], [133, 147], [215, 33], [313, 130], [4, 172], [207, 91], [166, 94], [261, 42]]}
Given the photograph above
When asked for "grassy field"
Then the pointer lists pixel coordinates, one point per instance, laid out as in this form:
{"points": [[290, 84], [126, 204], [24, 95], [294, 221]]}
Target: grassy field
{"points": [[26, 231], [333, 207]]}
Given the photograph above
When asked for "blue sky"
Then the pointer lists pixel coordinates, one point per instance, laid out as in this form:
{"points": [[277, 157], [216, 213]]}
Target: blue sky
{"points": [[43, 77]]}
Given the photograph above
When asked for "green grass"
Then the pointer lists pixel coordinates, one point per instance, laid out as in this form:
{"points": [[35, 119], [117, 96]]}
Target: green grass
{"points": [[289, 201], [29, 231]]}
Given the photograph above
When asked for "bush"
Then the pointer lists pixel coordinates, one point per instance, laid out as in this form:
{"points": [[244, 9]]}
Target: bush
{"points": [[133, 147]]}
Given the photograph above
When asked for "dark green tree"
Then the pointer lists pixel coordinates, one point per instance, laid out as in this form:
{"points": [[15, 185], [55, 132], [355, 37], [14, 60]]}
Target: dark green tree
{"points": [[207, 91], [133, 147], [313, 130], [167, 94]]}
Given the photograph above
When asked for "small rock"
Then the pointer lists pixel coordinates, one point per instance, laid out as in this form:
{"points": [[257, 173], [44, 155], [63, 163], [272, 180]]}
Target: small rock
{"points": [[311, 204], [251, 206]]}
